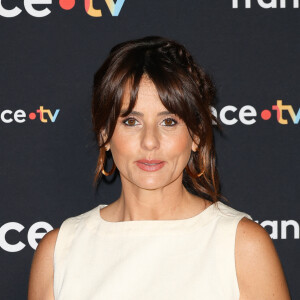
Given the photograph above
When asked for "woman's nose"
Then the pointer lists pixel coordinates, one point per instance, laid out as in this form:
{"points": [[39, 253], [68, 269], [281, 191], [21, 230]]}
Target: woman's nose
{"points": [[150, 138]]}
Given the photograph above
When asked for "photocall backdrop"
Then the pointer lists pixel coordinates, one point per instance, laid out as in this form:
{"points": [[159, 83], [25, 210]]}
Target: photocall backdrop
{"points": [[49, 53]]}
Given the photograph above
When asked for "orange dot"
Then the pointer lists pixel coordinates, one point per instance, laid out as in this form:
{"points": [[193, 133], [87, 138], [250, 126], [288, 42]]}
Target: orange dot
{"points": [[32, 116], [266, 114], [67, 4]]}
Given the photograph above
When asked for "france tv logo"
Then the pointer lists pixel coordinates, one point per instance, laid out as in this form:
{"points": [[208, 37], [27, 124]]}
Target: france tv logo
{"points": [[11, 12], [19, 116], [247, 114]]}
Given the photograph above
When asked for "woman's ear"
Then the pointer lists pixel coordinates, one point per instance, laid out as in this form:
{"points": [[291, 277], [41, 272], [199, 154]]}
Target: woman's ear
{"points": [[103, 138], [196, 141]]}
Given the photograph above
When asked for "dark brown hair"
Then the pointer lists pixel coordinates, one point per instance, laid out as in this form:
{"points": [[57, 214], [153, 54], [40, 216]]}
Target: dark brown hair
{"points": [[184, 89]]}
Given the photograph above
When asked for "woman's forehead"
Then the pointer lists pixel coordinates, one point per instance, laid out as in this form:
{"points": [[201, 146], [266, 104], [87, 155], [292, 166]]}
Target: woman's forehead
{"points": [[147, 92], [146, 87]]}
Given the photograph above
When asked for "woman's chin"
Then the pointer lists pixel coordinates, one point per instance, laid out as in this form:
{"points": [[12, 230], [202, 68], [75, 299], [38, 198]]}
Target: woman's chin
{"points": [[150, 183]]}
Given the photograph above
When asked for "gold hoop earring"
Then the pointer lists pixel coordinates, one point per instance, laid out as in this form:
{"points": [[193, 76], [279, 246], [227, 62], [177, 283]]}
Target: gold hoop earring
{"points": [[191, 174], [102, 160], [110, 172]]}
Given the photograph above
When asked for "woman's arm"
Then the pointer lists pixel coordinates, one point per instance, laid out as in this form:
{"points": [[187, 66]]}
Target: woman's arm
{"points": [[41, 274], [259, 271]]}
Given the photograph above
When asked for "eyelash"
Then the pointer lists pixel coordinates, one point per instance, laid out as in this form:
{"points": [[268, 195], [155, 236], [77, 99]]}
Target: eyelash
{"points": [[124, 122]]}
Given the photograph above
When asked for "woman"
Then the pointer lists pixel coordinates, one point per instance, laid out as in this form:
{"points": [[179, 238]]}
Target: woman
{"points": [[168, 236]]}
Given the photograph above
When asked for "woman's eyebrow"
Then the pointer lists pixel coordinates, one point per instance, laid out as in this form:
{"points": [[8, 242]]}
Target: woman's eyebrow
{"points": [[137, 113]]}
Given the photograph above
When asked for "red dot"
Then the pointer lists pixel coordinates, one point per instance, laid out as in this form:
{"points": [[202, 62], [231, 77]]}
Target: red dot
{"points": [[32, 116], [266, 114], [67, 4]]}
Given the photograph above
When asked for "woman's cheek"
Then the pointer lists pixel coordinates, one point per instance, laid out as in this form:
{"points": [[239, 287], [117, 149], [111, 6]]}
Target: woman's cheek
{"points": [[123, 145], [178, 144]]}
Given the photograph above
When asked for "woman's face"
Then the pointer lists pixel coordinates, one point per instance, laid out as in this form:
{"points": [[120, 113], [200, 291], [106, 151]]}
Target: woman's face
{"points": [[150, 132]]}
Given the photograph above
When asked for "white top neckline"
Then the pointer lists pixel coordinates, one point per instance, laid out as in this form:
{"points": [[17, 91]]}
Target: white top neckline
{"points": [[156, 226]]}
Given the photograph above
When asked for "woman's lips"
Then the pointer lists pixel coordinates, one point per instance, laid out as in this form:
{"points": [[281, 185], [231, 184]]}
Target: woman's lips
{"points": [[150, 165]]}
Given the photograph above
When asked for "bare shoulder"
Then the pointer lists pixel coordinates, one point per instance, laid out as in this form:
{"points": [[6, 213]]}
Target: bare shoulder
{"points": [[41, 273], [258, 267]]}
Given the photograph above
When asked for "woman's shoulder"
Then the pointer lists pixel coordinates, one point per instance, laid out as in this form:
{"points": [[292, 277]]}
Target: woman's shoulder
{"points": [[40, 280], [259, 271], [258, 268], [48, 243], [42, 268], [45, 249]]}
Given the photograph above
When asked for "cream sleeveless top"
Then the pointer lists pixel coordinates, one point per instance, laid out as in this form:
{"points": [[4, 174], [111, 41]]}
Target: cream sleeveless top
{"points": [[186, 259]]}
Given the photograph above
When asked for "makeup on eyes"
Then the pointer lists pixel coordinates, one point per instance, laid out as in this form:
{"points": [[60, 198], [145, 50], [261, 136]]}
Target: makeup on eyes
{"points": [[175, 122]]}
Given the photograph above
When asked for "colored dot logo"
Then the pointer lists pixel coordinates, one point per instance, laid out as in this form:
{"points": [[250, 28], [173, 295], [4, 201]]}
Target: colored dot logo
{"points": [[32, 116], [67, 4], [266, 114]]}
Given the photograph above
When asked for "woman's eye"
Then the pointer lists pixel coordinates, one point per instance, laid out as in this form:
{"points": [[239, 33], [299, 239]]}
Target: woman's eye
{"points": [[169, 121], [130, 122]]}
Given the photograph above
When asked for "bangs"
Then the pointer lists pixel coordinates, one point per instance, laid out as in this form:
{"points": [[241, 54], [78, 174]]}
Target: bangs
{"points": [[176, 89]]}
